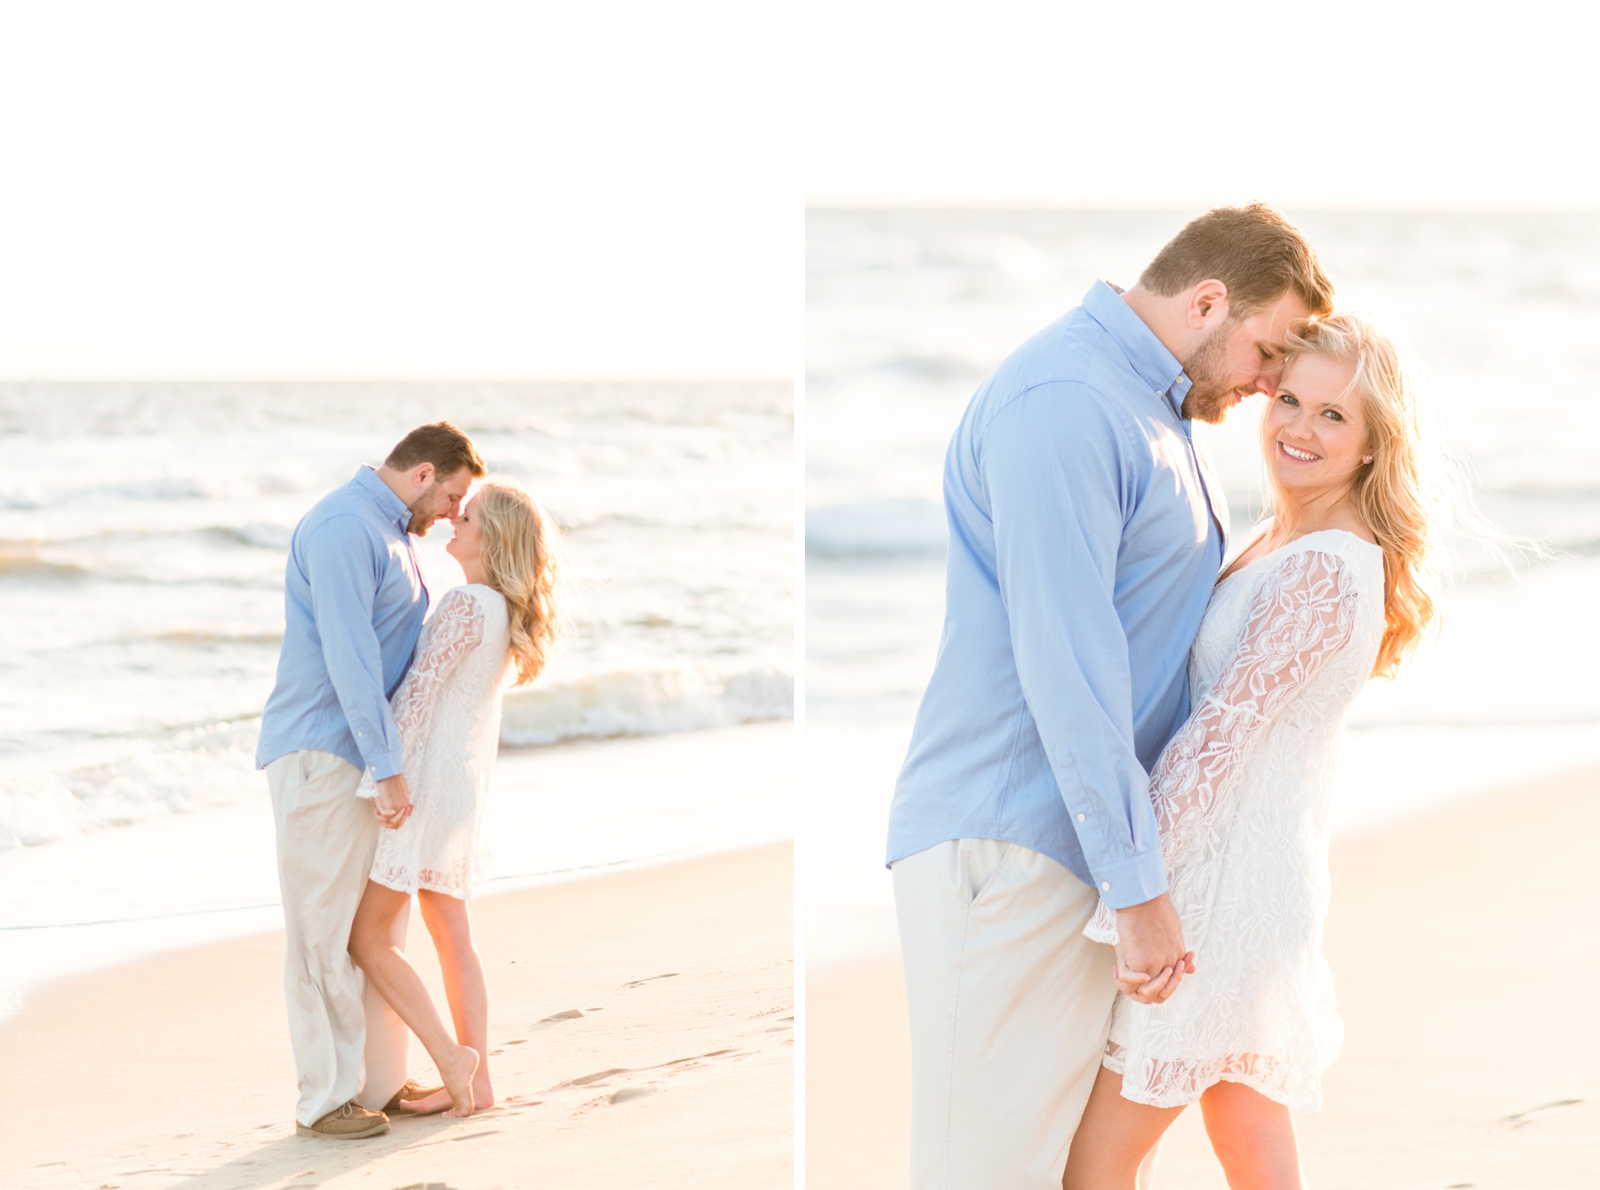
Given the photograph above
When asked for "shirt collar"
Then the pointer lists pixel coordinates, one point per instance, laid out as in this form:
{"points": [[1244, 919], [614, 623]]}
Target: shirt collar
{"points": [[1146, 354], [383, 496]]}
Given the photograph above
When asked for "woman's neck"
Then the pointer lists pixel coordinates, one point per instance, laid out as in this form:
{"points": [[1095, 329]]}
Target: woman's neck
{"points": [[1297, 514], [475, 573]]}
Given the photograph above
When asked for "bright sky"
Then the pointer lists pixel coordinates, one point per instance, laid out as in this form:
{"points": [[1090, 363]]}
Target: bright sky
{"points": [[336, 189], [1358, 102]]}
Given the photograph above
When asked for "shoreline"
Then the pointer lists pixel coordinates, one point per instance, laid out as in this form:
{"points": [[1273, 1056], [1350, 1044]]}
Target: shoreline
{"points": [[1462, 941], [111, 896], [637, 1019]]}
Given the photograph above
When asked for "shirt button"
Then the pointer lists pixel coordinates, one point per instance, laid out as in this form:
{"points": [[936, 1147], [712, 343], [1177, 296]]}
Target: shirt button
{"points": [[1080, 817], [1106, 884]]}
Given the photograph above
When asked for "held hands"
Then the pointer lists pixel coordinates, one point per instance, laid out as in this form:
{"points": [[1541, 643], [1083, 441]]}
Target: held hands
{"points": [[392, 806], [1151, 960]]}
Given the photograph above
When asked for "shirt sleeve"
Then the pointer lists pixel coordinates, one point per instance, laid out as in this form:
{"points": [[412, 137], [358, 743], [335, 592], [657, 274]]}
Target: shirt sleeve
{"points": [[1302, 615], [455, 630], [1054, 464], [342, 567]]}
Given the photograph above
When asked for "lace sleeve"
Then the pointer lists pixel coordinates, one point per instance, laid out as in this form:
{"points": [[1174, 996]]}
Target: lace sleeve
{"points": [[1301, 616], [453, 632]]}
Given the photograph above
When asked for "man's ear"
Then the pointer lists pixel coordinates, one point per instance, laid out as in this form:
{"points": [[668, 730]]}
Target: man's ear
{"points": [[1206, 300], [422, 475]]}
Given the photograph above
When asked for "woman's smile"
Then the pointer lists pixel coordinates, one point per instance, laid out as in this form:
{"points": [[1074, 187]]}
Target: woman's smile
{"points": [[1294, 452]]}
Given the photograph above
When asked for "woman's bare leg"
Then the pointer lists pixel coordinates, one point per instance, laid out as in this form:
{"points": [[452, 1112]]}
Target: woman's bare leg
{"points": [[464, 986], [1253, 1138], [1114, 1139], [398, 983]]}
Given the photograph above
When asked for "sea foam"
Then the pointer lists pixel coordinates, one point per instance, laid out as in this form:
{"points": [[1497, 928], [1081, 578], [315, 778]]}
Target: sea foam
{"points": [[645, 703], [212, 766]]}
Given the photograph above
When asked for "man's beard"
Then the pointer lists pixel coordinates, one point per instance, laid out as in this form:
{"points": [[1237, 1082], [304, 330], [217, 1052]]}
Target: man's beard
{"points": [[420, 523], [1209, 391]]}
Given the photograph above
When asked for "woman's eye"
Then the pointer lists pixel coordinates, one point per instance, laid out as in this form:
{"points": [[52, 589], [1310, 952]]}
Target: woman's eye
{"points": [[1335, 415], [1288, 399]]}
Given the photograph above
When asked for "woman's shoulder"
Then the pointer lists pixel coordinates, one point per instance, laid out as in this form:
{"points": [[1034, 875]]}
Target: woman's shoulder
{"points": [[492, 602], [1347, 542], [471, 600], [480, 593], [1337, 549]]}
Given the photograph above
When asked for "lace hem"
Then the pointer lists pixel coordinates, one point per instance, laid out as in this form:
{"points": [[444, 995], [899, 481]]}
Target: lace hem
{"points": [[1178, 1083], [457, 881]]}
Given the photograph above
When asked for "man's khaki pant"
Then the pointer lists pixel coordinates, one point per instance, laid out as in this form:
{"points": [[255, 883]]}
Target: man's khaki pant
{"points": [[347, 1041], [1010, 1008]]}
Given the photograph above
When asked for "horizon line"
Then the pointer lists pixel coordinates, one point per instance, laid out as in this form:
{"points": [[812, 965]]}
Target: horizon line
{"points": [[378, 379], [1025, 203]]}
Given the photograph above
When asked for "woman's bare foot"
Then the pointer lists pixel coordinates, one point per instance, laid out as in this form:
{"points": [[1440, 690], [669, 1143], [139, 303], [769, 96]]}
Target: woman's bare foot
{"points": [[482, 1096], [482, 1092], [457, 1075]]}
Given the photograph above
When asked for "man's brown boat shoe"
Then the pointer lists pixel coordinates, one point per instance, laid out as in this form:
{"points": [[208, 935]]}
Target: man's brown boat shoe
{"points": [[350, 1122], [413, 1090]]}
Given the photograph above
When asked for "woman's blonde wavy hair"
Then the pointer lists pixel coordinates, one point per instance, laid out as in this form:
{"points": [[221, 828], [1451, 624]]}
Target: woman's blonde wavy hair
{"points": [[1411, 487], [521, 548]]}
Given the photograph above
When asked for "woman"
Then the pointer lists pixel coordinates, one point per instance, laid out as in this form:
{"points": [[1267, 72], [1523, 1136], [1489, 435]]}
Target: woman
{"points": [[1331, 592], [448, 711]]}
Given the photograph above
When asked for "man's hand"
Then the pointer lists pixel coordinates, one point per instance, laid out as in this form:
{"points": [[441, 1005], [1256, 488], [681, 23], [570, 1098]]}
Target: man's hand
{"points": [[1151, 961], [393, 803]]}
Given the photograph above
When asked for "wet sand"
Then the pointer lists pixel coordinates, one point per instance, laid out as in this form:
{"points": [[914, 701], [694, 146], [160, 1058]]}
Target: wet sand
{"points": [[641, 1032], [1465, 946]]}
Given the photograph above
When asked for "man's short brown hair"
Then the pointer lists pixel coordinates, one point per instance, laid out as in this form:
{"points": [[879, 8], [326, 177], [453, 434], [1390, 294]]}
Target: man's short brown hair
{"points": [[1257, 253], [439, 443]]}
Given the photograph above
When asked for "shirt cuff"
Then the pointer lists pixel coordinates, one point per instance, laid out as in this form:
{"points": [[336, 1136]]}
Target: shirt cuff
{"points": [[382, 761], [1131, 881]]}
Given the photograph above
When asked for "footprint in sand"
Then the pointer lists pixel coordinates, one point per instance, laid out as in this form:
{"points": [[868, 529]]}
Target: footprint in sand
{"points": [[570, 1014], [628, 1093], [639, 983], [594, 1078], [1523, 1118]]}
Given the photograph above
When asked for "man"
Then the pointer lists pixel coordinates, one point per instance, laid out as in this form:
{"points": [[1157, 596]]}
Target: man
{"points": [[354, 603], [1085, 536]]}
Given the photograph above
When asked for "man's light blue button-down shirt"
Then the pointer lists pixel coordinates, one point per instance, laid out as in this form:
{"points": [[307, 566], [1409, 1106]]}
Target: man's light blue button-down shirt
{"points": [[1085, 536], [354, 602]]}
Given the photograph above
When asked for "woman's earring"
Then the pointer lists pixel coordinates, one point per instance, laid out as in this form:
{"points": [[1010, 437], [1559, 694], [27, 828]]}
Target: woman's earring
{"points": [[1368, 459]]}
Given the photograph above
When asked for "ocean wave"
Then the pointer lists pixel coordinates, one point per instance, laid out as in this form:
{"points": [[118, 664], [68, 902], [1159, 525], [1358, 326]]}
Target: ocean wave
{"points": [[937, 369], [262, 536], [645, 703], [34, 497], [876, 528], [208, 767], [217, 636], [28, 563], [193, 770]]}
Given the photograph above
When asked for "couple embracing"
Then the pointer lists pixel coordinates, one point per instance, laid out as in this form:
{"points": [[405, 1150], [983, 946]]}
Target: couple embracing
{"points": [[378, 741], [1109, 839]]}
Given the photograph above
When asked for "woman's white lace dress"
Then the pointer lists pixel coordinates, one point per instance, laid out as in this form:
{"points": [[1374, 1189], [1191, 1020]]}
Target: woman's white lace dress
{"points": [[448, 711], [1242, 798]]}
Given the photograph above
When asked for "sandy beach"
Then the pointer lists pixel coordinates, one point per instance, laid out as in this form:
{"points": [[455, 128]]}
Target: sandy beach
{"points": [[641, 1027], [1464, 945]]}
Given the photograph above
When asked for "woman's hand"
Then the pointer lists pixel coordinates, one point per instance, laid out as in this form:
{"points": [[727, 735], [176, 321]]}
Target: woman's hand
{"points": [[1151, 959], [1141, 986], [392, 806]]}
